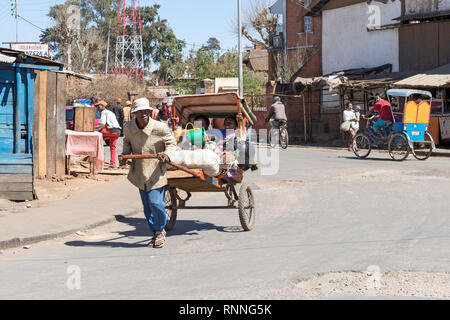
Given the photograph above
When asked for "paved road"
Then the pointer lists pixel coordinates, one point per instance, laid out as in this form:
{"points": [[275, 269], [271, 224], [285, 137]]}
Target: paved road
{"points": [[324, 211]]}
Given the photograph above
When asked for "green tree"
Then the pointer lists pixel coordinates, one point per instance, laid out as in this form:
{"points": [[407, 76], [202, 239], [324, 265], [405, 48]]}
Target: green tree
{"points": [[204, 63], [160, 43], [212, 44], [80, 46], [98, 17]]}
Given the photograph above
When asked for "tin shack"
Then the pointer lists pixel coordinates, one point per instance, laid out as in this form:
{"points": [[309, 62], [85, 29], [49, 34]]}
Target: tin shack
{"points": [[32, 122]]}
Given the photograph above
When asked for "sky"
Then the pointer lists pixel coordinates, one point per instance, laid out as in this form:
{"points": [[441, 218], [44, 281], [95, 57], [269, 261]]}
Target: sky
{"points": [[193, 21]]}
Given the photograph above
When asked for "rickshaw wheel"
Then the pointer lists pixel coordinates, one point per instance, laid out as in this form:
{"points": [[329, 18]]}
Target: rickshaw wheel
{"points": [[170, 199], [399, 147], [361, 146], [246, 205], [425, 152]]}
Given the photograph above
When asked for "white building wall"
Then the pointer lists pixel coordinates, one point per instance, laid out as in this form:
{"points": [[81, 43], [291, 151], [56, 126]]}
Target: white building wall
{"points": [[347, 44], [226, 85]]}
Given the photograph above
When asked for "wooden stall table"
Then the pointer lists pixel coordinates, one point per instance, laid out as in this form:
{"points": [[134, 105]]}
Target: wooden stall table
{"points": [[85, 144]]}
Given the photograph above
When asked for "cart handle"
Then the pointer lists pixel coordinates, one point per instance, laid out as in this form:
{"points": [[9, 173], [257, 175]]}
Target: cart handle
{"points": [[139, 156], [153, 156]]}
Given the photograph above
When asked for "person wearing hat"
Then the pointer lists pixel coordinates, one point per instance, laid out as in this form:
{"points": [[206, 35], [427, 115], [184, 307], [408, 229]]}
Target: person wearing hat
{"points": [[145, 135], [110, 128], [118, 111], [127, 114], [276, 113]]}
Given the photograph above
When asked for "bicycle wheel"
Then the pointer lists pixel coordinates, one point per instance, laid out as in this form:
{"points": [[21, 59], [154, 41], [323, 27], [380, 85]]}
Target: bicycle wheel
{"points": [[399, 147], [361, 146], [423, 150], [274, 137], [284, 138]]}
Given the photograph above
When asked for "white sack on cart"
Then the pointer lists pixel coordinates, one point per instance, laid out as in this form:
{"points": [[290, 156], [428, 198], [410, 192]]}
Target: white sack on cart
{"points": [[207, 160]]}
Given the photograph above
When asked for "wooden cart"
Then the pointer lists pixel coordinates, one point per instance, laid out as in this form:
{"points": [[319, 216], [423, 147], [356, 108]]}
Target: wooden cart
{"points": [[213, 106]]}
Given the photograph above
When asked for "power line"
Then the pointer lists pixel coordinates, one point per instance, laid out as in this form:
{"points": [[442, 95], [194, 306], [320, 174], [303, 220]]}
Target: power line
{"points": [[30, 22], [40, 4]]}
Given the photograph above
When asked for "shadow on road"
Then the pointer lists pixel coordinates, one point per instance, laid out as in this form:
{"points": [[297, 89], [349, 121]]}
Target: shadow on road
{"points": [[141, 230], [368, 159]]}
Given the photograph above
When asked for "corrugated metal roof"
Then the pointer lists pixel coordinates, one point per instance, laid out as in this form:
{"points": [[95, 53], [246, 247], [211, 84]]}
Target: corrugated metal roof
{"points": [[439, 77], [7, 59], [22, 56]]}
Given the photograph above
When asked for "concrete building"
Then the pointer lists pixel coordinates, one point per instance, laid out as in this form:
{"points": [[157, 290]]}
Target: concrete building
{"points": [[360, 35], [361, 39], [217, 85], [296, 48], [295, 52]]}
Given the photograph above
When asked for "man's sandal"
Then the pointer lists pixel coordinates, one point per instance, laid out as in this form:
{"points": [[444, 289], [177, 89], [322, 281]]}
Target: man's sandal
{"points": [[160, 239], [152, 241]]}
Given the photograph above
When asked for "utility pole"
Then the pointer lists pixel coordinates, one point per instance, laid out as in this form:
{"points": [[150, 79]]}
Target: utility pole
{"points": [[17, 24], [15, 13], [107, 49], [241, 82]]}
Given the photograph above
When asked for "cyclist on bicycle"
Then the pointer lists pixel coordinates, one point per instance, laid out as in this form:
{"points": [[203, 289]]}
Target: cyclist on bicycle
{"points": [[277, 113], [383, 109]]}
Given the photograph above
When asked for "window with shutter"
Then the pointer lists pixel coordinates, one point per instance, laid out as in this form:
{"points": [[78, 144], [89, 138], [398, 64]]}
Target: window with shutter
{"points": [[308, 24]]}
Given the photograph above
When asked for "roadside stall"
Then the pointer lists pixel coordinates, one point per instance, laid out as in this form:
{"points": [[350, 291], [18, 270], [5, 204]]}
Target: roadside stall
{"points": [[32, 122], [83, 140]]}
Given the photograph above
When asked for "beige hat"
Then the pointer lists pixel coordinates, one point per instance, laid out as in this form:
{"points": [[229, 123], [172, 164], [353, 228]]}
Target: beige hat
{"points": [[102, 103], [141, 104]]}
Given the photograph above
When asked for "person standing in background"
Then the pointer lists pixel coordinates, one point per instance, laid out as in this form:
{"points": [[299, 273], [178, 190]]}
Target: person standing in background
{"points": [[349, 115], [164, 113], [355, 124], [109, 127], [127, 112], [118, 112]]}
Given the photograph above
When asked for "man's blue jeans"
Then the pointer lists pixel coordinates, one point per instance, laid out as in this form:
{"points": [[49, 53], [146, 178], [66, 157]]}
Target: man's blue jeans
{"points": [[154, 208]]}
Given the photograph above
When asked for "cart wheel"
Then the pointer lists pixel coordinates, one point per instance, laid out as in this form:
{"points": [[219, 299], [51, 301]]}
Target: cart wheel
{"points": [[246, 204], [362, 146], [423, 150], [398, 147], [284, 138], [170, 199]]}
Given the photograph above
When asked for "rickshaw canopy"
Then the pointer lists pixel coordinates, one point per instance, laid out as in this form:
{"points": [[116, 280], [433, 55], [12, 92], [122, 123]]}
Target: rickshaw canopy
{"points": [[211, 105], [407, 92]]}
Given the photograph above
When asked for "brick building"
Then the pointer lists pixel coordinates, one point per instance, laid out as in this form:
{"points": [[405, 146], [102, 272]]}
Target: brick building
{"points": [[359, 39], [296, 52]]}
